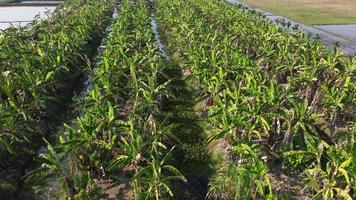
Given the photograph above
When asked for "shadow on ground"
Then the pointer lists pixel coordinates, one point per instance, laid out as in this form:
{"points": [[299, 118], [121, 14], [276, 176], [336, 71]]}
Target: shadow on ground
{"points": [[190, 155]]}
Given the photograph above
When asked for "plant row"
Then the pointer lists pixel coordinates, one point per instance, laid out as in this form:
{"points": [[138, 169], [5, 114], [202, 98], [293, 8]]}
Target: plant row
{"points": [[118, 139], [38, 74], [274, 97]]}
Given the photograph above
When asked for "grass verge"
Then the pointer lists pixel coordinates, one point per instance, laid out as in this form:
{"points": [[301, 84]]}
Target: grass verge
{"points": [[311, 11]]}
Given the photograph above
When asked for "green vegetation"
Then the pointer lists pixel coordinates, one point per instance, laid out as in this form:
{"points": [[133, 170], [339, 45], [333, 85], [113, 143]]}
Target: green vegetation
{"points": [[311, 11], [265, 100], [5, 1], [237, 102], [119, 131], [39, 71]]}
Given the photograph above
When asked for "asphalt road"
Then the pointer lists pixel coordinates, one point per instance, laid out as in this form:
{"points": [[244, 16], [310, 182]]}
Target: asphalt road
{"points": [[348, 30], [20, 16]]}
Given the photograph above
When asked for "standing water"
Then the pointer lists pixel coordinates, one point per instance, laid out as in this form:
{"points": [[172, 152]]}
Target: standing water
{"points": [[161, 47]]}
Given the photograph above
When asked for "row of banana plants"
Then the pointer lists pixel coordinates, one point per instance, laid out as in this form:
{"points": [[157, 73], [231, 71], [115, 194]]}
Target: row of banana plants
{"points": [[209, 56], [35, 29], [292, 59], [118, 139], [38, 75], [38, 27], [323, 83], [274, 97]]}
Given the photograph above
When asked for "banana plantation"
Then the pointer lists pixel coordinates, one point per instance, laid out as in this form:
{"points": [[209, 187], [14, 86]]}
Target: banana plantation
{"points": [[172, 99]]}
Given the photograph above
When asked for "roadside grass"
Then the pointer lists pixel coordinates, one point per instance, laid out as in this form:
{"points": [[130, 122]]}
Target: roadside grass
{"points": [[311, 11], [5, 1]]}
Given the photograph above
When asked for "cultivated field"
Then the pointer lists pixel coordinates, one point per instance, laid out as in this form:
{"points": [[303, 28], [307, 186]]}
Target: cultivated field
{"points": [[172, 99], [311, 11]]}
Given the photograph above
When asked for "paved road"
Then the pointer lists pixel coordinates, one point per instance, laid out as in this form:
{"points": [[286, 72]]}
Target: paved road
{"points": [[20, 16], [348, 30], [327, 34], [23, 12]]}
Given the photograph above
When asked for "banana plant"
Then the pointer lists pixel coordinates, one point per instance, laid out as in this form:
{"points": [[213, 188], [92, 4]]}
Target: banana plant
{"points": [[52, 166], [248, 179], [156, 183], [267, 83], [30, 86], [332, 181]]}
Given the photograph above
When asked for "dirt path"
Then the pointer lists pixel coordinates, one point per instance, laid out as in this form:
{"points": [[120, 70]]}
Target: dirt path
{"points": [[191, 155]]}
